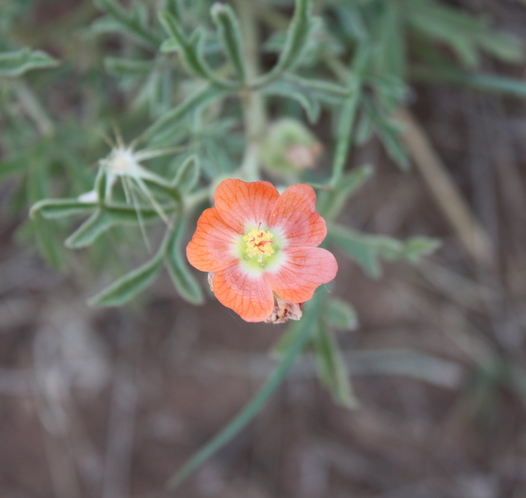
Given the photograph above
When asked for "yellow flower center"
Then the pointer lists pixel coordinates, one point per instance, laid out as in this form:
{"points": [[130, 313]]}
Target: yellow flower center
{"points": [[258, 244]]}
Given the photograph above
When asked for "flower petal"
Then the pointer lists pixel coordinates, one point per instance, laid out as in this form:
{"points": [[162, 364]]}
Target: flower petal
{"points": [[249, 295], [240, 203], [295, 214], [213, 244], [302, 272]]}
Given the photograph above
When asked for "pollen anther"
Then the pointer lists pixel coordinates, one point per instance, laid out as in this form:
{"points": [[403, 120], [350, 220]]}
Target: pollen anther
{"points": [[259, 244]]}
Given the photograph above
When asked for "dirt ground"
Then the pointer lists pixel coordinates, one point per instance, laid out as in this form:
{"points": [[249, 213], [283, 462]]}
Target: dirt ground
{"points": [[109, 403]]}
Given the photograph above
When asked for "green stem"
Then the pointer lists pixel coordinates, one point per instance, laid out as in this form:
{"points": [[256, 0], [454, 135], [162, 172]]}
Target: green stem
{"points": [[306, 329], [253, 103]]}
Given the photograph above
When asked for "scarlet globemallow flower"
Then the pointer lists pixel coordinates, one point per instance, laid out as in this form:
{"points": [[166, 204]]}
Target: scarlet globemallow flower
{"points": [[260, 249]]}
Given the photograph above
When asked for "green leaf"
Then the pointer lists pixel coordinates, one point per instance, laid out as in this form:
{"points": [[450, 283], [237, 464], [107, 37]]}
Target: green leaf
{"points": [[106, 217], [477, 81], [21, 61], [200, 98], [129, 285], [131, 22], [128, 67], [359, 248], [284, 89], [306, 327], [190, 49], [48, 243], [13, 165], [340, 315], [187, 174], [332, 202], [417, 247], [230, 35], [297, 37], [184, 281], [60, 208], [90, 230], [344, 133], [332, 369], [367, 249], [388, 131]]}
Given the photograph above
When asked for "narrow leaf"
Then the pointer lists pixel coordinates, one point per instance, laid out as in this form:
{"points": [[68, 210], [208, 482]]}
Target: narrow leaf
{"points": [[187, 174], [128, 67], [332, 202], [21, 61], [230, 35], [190, 49], [340, 315], [332, 369], [129, 285], [295, 44], [200, 98], [130, 22], [59, 208], [306, 327], [358, 247], [90, 230], [308, 101], [184, 281]]}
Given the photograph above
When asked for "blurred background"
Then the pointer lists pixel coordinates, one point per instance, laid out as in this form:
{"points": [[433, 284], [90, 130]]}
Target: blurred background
{"points": [[111, 402]]}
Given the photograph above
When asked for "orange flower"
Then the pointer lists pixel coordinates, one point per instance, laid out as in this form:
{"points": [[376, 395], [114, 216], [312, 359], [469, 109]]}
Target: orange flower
{"points": [[261, 247]]}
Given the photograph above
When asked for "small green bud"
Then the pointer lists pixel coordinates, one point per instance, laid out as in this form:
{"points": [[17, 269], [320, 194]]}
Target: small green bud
{"points": [[289, 148]]}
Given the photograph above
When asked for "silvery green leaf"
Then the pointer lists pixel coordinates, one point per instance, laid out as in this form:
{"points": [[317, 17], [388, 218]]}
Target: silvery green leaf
{"points": [[190, 48], [230, 35], [295, 43], [90, 230], [332, 369], [359, 248], [308, 101], [131, 22], [331, 202], [128, 67], [200, 98], [340, 315], [129, 285], [21, 61], [187, 174], [59, 208], [184, 281]]}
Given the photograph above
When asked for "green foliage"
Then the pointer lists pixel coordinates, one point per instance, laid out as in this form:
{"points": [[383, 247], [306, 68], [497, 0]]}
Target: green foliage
{"points": [[21, 61], [188, 85]]}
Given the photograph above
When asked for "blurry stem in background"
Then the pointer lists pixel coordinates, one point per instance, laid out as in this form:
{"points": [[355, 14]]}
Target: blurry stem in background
{"points": [[33, 109], [252, 102], [304, 330], [448, 197]]}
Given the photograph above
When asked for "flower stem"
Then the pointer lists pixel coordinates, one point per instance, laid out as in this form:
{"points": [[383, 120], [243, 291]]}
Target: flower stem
{"points": [[253, 103]]}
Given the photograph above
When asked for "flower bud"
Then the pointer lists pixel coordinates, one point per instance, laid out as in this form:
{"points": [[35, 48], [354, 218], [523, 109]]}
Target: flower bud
{"points": [[289, 148]]}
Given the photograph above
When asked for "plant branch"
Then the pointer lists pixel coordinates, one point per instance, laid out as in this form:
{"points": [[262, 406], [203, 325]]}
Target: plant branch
{"points": [[253, 103]]}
